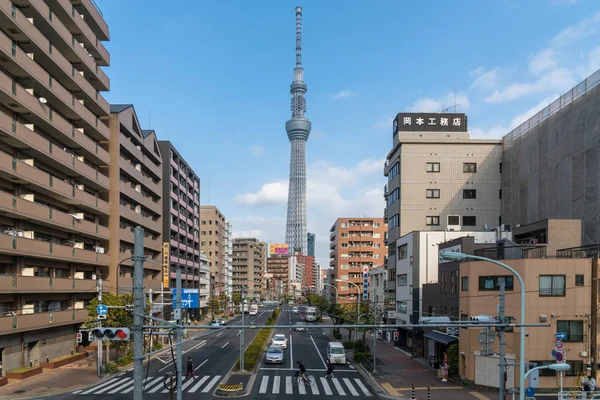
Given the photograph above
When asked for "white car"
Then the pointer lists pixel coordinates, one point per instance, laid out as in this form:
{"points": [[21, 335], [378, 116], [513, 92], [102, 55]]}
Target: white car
{"points": [[295, 310], [279, 340]]}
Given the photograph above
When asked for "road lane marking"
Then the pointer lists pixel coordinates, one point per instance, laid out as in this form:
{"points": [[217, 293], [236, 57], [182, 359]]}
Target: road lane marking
{"points": [[311, 370], [350, 386], [159, 386], [338, 386], [288, 385], [219, 334], [120, 387], [291, 354], [126, 380], [314, 387], [75, 392], [224, 345], [211, 384], [264, 384], [197, 385], [238, 334], [318, 352], [276, 383], [328, 391], [479, 396], [204, 362], [100, 386], [301, 386], [364, 388], [147, 384]]}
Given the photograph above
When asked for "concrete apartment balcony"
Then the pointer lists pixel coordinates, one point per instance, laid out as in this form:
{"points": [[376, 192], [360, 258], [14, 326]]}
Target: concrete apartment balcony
{"points": [[127, 235], [31, 40], [155, 188], [74, 21], [93, 17], [21, 137], [21, 246], [126, 285], [139, 155], [44, 320], [21, 172], [14, 283], [20, 208], [140, 198], [138, 219], [64, 41]]}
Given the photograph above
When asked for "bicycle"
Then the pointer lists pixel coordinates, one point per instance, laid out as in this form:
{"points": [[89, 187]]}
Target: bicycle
{"points": [[308, 379]]}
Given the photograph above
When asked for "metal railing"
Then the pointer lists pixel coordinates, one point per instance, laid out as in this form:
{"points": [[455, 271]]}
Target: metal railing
{"points": [[512, 252], [567, 98], [591, 251]]}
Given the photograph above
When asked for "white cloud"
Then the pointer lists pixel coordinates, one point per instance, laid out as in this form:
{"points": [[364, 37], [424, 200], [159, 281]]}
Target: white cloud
{"points": [[474, 73], [257, 150], [385, 123], [558, 79], [428, 104], [586, 27], [332, 191], [344, 94], [487, 80], [543, 61], [591, 63]]}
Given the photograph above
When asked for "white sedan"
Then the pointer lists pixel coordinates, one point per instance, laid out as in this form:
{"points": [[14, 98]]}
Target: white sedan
{"points": [[279, 340]]}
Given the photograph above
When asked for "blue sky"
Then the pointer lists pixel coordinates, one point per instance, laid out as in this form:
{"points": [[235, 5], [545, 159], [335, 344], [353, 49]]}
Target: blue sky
{"points": [[213, 77]]}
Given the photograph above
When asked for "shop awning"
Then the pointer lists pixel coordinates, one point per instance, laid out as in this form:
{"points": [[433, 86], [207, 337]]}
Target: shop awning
{"points": [[440, 337]]}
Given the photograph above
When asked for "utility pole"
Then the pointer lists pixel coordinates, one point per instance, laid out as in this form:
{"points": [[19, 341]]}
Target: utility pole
{"points": [[501, 330], [179, 333], [138, 311], [99, 340], [242, 335], [594, 317]]}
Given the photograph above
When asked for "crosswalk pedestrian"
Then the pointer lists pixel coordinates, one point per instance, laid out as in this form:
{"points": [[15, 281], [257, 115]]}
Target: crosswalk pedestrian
{"points": [[123, 385], [329, 386]]}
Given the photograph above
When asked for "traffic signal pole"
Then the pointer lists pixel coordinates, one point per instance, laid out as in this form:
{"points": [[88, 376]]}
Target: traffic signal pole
{"points": [[179, 333], [100, 340], [138, 309]]}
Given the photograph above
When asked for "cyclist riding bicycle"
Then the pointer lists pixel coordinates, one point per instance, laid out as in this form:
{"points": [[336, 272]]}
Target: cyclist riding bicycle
{"points": [[301, 371]]}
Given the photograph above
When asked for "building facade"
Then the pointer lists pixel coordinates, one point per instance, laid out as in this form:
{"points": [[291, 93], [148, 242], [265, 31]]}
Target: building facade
{"points": [[430, 187], [54, 186], [135, 199], [249, 267], [310, 240], [355, 243], [213, 234], [278, 267], [204, 292], [377, 281], [228, 251], [181, 229]]}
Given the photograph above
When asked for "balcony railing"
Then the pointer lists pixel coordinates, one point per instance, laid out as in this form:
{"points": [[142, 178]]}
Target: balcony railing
{"points": [[43, 320], [591, 251], [512, 252]]}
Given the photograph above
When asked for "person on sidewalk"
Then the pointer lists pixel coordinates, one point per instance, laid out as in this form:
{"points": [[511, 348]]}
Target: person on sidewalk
{"points": [[329, 372], [190, 369]]}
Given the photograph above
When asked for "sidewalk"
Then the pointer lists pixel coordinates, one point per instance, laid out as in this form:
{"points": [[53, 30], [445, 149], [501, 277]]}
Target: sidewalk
{"points": [[397, 372]]}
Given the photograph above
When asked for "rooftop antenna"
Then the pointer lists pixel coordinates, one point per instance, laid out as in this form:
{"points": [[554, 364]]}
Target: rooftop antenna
{"points": [[455, 106]]}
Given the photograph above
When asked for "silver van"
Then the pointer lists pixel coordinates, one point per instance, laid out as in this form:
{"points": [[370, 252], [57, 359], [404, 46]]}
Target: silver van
{"points": [[336, 354]]}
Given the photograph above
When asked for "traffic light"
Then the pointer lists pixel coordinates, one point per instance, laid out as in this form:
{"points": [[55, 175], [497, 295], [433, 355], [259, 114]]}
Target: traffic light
{"points": [[79, 337], [111, 333]]}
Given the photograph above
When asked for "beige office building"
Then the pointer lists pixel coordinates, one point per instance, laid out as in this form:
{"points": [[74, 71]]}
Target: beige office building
{"points": [[249, 266], [213, 235], [54, 184]]}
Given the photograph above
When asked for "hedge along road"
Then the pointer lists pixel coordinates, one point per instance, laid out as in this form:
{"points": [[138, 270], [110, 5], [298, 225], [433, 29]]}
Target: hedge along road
{"points": [[256, 346]]}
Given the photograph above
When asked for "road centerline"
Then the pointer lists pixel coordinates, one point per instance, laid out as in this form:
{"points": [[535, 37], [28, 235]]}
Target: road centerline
{"points": [[318, 352]]}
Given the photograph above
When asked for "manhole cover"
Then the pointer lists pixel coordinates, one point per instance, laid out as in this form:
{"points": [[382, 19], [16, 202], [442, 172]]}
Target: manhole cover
{"points": [[20, 391]]}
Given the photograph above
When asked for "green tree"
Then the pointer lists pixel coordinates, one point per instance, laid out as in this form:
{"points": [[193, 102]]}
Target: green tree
{"points": [[452, 352], [236, 298], [223, 301]]}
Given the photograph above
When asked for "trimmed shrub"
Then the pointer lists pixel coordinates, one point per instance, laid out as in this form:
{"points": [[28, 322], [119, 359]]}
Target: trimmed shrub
{"points": [[348, 344], [111, 367]]}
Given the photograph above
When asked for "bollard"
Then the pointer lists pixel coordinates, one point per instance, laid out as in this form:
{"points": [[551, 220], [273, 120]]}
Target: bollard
{"points": [[428, 392], [413, 391]]}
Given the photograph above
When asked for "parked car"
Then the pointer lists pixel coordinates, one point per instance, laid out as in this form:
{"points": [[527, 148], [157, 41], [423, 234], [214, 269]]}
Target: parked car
{"points": [[279, 340], [274, 355], [223, 321], [300, 327]]}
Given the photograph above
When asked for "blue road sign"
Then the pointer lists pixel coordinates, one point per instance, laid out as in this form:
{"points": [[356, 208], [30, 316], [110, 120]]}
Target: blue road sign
{"points": [[530, 392], [553, 353], [561, 335], [559, 356], [189, 298], [365, 296], [102, 309]]}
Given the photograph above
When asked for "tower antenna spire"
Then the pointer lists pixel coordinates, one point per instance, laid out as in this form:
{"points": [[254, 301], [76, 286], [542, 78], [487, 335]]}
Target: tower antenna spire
{"points": [[298, 36]]}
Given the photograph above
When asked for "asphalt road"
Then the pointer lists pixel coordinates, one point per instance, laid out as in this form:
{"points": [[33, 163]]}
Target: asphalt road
{"points": [[274, 381], [213, 356]]}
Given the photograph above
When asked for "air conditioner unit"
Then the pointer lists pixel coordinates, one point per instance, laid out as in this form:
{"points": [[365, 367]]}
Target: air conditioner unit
{"points": [[453, 223]]}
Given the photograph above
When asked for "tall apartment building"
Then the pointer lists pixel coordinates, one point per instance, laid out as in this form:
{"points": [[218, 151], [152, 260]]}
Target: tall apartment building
{"points": [[249, 266], [135, 199], [54, 185], [213, 233], [306, 264], [228, 251], [355, 243], [310, 241], [204, 295], [278, 267], [316, 284], [181, 230], [439, 178]]}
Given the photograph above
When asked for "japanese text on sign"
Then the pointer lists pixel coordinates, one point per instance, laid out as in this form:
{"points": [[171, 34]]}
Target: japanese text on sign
{"points": [[432, 122], [165, 264]]}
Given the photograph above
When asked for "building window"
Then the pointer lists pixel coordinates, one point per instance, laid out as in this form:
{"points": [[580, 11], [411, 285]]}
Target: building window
{"points": [[433, 193], [393, 196], [402, 280], [432, 221], [376, 224], [552, 285], [402, 307], [500, 194], [403, 252], [393, 171], [572, 329], [464, 283], [469, 194], [394, 222], [433, 167], [470, 168], [579, 280], [469, 221], [377, 236], [500, 168], [492, 283]]}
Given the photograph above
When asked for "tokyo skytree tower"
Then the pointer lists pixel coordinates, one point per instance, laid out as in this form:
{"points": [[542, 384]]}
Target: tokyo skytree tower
{"points": [[298, 130]]}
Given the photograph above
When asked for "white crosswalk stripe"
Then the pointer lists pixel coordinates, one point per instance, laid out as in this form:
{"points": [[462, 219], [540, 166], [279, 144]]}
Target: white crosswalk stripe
{"points": [[123, 385], [271, 385]]}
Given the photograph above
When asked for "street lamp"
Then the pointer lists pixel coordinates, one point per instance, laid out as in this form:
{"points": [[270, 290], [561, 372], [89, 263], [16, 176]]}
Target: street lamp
{"points": [[358, 297], [452, 255], [560, 367], [336, 291]]}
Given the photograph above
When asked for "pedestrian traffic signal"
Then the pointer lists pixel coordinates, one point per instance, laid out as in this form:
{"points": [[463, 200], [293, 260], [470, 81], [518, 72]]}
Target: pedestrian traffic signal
{"points": [[111, 333], [79, 337]]}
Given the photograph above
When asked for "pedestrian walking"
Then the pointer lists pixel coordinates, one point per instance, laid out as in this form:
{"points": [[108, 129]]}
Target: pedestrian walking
{"points": [[329, 372], [190, 369]]}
